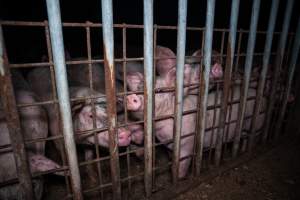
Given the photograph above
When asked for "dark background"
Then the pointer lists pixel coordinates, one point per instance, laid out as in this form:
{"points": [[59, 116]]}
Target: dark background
{"points": [[27, 44]]}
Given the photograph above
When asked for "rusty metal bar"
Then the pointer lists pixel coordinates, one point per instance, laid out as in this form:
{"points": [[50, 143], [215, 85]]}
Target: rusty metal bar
{"points": [[263, 74], [291, 71], [13, 125], [210, 12], [148, 91], [56, 36], [227, 78], [248, 67], [181, 40], [110, 90], [278, 63]]}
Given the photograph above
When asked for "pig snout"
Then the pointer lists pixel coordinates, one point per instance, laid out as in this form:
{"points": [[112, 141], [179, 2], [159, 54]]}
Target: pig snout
{"points": [[134, 102], [124, 137]]}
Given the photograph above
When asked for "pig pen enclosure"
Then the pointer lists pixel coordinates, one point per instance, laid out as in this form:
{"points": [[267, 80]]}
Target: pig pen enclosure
{"points": [[141, 109]]}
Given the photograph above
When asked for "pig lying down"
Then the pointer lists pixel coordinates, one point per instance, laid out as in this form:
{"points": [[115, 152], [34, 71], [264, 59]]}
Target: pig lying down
{"points": [[164, 105], [33, 126]]}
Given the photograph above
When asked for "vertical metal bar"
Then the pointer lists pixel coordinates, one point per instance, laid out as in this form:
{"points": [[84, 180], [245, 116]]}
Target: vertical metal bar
{"points": [[198, 106], [181, 40], [278, 63], [248, 67], [56, 109], [56, 36], [291, 71], [153, 103], [13, 125], [263, 74], [148, 90], [227, 78], [110, 89], [238, 52], [205, 80], [91, 85]]}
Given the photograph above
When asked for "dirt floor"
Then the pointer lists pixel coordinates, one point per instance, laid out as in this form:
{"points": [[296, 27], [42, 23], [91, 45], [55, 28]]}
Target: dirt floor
{"points": [[274, 175]]}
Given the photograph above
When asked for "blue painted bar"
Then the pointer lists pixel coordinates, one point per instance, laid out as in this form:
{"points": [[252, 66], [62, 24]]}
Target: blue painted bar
{"points": [[248, 68], [181, 40], [227, 78], [263, 74], [57, 44], [278, 63], [293, 62], [210, 12], [148, 93], [110, 89]]}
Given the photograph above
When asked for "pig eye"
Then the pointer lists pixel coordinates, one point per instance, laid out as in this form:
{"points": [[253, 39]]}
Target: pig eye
{"points": [[91, 116]]}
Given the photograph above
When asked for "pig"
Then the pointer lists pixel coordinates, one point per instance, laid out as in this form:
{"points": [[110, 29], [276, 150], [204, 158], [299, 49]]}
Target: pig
{"points": [[34, 125], [164, 105], [167, 60], [216, 71], [82, 114]]}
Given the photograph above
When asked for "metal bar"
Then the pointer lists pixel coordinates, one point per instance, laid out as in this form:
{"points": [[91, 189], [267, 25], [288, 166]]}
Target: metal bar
{"points": [[198, 106], [13, 124], [263, 74], [291, 71], [227, 78], [148, 91], [110, 90], [56, 36], [205, 81], [248, 67], [53, 89], [278, 63], [181, 40]]}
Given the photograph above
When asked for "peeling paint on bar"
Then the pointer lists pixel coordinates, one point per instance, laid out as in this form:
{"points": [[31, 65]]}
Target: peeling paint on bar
{"points": [[110, 90]]}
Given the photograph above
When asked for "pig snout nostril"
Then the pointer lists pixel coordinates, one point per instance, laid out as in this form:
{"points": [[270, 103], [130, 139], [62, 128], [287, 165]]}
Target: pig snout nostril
{"points": [[134, 100]]}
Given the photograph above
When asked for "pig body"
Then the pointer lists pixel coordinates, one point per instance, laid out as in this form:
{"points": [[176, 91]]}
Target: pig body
{"points": [[82, 112], [33, 126]]}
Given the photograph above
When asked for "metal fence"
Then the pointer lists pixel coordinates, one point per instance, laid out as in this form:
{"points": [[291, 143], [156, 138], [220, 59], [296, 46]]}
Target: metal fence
{"points": [[124, 182]]}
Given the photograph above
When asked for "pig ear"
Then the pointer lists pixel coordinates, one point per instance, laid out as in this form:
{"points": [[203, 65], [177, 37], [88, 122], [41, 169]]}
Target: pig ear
{"points": [[216, 71], [166, 61], [39, 163], [171, 77], [134, 80], [77, 107], [197, 53]]}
